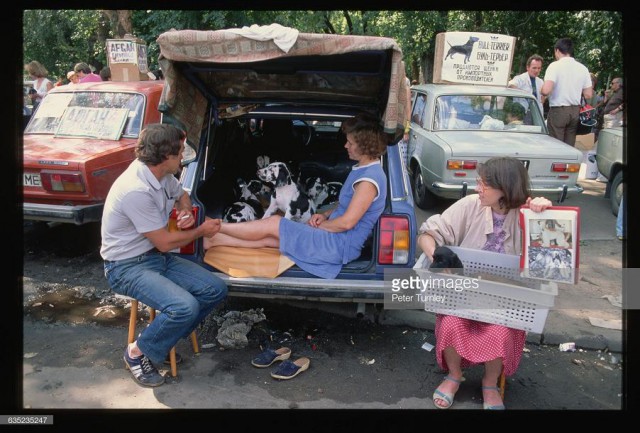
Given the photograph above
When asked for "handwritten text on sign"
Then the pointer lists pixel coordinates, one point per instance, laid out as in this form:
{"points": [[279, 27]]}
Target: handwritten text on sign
{"points": [[122, 51], [101, 123], [477, 58]]}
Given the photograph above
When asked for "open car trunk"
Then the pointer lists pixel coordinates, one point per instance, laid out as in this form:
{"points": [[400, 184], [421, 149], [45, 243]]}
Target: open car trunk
{"points": [[240, 98]]}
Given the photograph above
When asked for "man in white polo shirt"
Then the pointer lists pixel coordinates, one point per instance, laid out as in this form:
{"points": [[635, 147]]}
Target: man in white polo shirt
{"points": [[135, 245], [565, 82]]}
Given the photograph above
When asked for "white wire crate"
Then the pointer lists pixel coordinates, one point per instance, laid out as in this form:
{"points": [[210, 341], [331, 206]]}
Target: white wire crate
{"points": [[490, 290]]}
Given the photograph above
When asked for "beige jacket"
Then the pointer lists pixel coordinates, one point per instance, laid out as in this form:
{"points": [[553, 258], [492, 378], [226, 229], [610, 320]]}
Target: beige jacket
{"points": [[466, 223]]}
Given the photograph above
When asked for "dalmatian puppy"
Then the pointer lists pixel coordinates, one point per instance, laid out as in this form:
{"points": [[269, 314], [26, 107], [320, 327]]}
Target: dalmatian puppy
{"points": [[552, 231], [286, 196], [262, 161], [261, 190], [247, 208], [322, 193]]}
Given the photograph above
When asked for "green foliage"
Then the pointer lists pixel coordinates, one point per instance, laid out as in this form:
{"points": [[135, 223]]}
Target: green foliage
{"points": [[61, 38]]}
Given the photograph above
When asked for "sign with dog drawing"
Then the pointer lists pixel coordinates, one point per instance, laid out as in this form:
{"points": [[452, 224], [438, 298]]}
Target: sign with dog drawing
{"points": [[550, 243], [473, 58]]}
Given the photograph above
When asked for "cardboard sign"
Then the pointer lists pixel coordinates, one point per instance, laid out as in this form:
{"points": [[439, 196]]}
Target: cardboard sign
{"points": [[473, 58], [100, 123], [122, 51], [127, 59]]}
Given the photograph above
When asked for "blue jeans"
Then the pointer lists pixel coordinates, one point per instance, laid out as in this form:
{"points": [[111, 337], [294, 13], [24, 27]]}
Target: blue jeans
{"points": [[183, 292], [620, 231]]}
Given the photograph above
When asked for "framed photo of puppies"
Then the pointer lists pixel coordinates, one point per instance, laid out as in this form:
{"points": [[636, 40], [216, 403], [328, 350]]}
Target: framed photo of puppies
{"points": [[551, 243]]}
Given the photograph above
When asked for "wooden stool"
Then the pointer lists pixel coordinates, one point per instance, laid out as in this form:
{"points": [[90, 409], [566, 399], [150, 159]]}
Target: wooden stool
{"points": [[502, 382], [133, 318]]}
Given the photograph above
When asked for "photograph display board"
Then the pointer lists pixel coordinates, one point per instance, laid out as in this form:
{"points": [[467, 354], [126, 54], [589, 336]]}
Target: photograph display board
{"points": [[551, 243]]}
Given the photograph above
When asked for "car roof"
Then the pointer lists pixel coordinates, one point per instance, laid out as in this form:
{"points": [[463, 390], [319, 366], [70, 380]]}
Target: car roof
{"points": [[469, 89]]}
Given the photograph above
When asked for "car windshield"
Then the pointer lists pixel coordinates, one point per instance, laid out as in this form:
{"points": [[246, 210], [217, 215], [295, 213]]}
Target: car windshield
{"points": [[488, 112], [66, 113]]}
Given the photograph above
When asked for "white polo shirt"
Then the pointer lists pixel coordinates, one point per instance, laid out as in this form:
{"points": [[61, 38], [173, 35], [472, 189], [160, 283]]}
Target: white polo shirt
{"points": [[570, 77], [137, 203]]}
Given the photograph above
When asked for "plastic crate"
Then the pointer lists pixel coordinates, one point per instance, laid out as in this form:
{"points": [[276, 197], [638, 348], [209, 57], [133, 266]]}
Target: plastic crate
{"points": [[494, 291]]}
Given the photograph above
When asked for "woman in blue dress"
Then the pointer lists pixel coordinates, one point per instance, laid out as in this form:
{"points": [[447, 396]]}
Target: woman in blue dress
{"points": [[335, 237]]}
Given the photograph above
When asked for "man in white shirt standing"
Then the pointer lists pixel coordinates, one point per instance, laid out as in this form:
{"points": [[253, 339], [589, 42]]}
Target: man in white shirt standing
{"points": [[565, 82], [529, 80]]}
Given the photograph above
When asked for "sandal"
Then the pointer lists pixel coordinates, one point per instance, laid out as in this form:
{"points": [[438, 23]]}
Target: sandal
{"points": [[496, 406], [448, 398], [289, 369], [269, 356]]}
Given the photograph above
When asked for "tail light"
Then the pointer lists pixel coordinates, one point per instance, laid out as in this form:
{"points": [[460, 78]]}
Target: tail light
{"points": [[393, 243], [458, 164], [563, 167], [62, 182], [190, 248]]}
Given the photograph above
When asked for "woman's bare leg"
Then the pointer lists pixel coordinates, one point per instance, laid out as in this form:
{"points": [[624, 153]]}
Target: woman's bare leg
{"points": [[455, 371], [492, 370], [253, 230], [230, 241], [250, 234]]}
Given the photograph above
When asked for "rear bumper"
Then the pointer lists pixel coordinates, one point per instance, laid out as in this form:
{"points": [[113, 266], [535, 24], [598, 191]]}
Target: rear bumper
{"points": [[78, 215], [308, 289], [455, 191]]}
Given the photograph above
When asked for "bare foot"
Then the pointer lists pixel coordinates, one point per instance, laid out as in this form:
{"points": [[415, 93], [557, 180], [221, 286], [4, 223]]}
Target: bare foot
{"points": [[207, 242]]}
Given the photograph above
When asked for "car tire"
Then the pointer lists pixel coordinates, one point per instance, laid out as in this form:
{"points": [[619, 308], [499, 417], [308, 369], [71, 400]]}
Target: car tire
{"points": [[616, 192], [423, 198]]}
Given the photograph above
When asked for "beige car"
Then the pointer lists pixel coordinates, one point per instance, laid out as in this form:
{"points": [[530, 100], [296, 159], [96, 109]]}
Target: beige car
{"points": [[609, 157], [455, 127]]}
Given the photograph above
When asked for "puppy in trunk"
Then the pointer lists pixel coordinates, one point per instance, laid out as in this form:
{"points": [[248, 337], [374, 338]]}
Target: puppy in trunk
{"points": [[286, 196]]}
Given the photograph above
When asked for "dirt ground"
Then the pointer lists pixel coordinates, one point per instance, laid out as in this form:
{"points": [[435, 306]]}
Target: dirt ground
{"points": [[74, 333]]}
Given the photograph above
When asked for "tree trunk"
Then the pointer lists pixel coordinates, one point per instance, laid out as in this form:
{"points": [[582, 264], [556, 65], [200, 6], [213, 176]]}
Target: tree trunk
{"points": [[120, 22]]}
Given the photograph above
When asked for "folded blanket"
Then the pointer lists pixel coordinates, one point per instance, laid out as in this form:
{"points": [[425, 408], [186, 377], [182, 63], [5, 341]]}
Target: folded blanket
{"points": [[248, 262]]}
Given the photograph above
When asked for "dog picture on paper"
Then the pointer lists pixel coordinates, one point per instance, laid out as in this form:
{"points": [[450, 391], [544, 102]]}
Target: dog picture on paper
{"points": [[550, 243]]}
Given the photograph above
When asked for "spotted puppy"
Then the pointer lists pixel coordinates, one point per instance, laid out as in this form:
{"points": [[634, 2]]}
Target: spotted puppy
{"points": [[285, 195], [247, 208], [322, 193]]}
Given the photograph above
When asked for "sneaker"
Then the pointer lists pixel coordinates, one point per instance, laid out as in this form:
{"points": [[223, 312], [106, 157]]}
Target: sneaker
{"points": [[143, 370]]}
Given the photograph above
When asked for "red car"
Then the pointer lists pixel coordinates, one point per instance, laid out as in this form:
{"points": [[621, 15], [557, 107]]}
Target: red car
{"points": [[78, 142]]}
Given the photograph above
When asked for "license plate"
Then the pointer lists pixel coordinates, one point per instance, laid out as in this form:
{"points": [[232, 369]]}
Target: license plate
{"points": [[525, 162], [31, 179]]}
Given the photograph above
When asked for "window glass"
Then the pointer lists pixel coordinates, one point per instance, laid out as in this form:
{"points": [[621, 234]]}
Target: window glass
{"points": [[47, 117]]}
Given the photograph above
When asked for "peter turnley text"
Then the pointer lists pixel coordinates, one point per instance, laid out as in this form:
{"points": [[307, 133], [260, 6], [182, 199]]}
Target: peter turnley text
{"points": [[421, 284]]}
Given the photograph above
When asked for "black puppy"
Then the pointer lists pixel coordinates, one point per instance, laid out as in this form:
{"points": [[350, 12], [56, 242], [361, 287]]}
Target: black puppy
{"points": [[446, 260], [465, 49]]}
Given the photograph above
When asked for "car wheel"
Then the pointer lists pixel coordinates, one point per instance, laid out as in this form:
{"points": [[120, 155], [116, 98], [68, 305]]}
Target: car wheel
{"points": [[423, 198], [616, 192]]}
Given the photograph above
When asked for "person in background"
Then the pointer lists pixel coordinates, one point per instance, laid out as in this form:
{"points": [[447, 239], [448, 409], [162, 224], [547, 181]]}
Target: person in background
{"points": [[73, 78], [621, 231], [105, 74], [85, 74], [566, 81], [529, 80], [484, 221], [135, 247], [514, 115], [41, 83], [614, 103]]}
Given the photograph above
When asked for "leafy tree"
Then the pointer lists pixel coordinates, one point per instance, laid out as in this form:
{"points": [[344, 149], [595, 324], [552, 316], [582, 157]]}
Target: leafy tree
{"points": [[61, 38]]}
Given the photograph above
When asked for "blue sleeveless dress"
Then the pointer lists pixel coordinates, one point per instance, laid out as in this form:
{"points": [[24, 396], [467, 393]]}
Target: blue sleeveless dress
{"points": [[323, 253]]}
